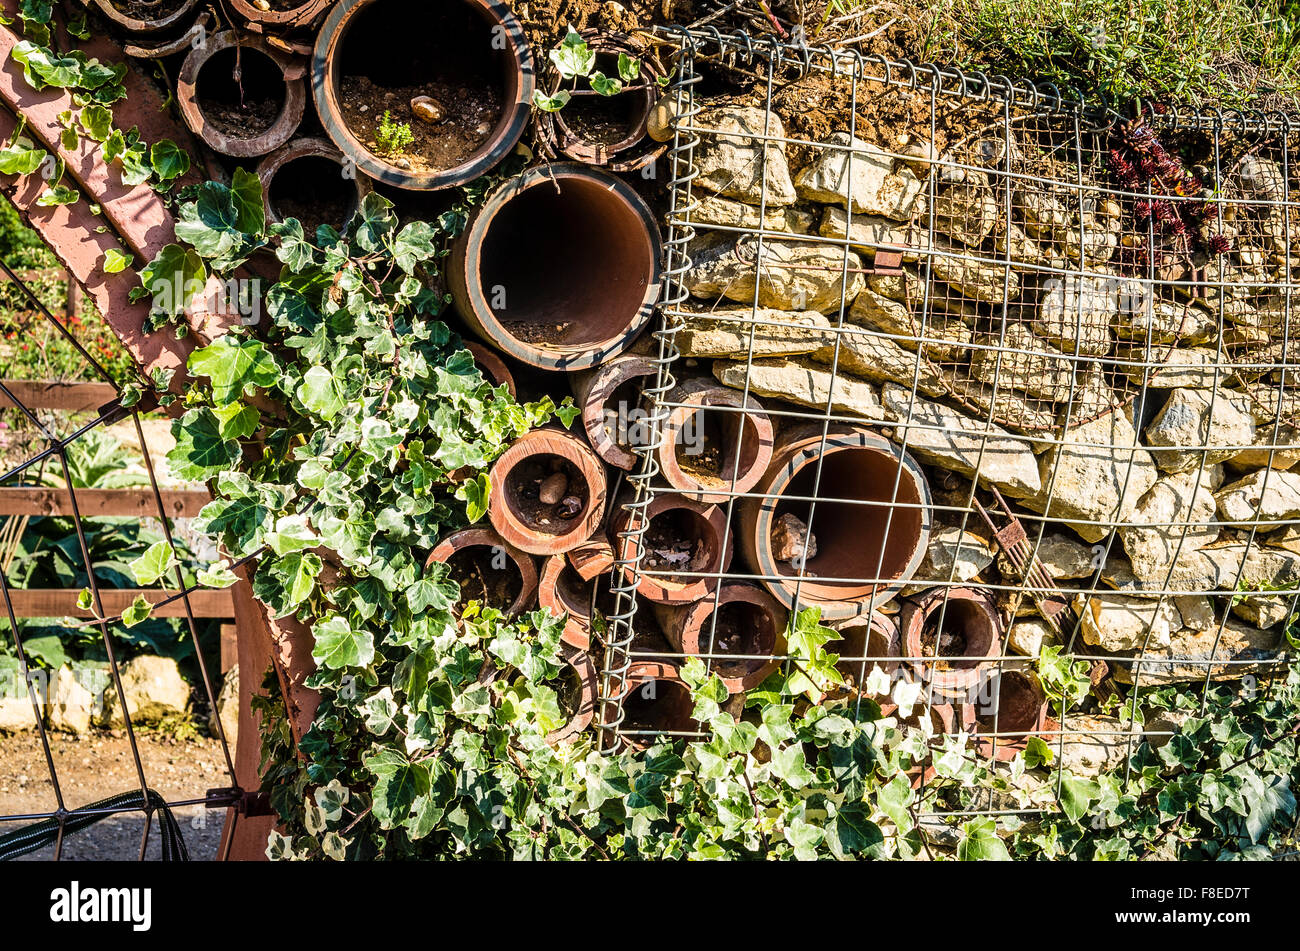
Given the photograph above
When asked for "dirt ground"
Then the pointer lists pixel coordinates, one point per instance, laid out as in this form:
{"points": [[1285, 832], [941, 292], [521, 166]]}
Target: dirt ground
{"points": [[96, 767]]}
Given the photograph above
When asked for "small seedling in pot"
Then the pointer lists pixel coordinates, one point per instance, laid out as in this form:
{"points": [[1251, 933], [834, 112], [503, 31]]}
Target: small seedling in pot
{"points": [[393, 137], [575, 60]]}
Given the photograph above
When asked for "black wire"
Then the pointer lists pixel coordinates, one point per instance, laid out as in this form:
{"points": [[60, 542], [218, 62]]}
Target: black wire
{"points": [[46, 832]]}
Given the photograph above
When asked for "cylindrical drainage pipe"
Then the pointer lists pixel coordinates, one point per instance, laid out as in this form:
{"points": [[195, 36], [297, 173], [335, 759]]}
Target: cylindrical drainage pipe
{"points": [[577, 695], [488, 568], [562, 590], [1013, 706], [560, 267], [548, 492], [241, 95], [743, 619], [167, 16], [868, 642], [957, 623], [492, 366], [685, 547], [471, 56], [299, 16], [305, 179], [870, 538], [712, 454], [655, 701], [610, 398]]}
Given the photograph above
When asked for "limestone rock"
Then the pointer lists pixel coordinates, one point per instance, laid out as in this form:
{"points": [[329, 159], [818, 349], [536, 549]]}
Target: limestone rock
{"points": [[716, 210], [1029, 634], [790, 275], [1093, 483], [74, 705], [867, 233], [1264, 611], [1168, 520], [1265, 495], [1197, 611], [966, 213], [805, 385], [1046, 212], [16, 714], [1172, 369], [1062, 557], [1016, 412], [1092, 745], [1075, 312], [847, 169], [1117, 622], [1026, 363], [154, 689], [1143, 318], [1012, 242], [1278, 447], [953, 556], [977, 279], [227, 711], [950, 440], [727, 333], [870, 354], [791, 539], [733, 157], [1200, 418], [1241, 650]]}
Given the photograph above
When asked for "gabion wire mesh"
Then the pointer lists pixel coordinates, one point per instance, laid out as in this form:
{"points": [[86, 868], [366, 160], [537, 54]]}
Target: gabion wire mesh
{"points": [[43, 460], [1020, 367]]}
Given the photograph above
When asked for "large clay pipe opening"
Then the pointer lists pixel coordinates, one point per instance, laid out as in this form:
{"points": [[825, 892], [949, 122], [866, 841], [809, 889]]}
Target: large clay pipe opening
{"points": [[488, 569], [743, 619], [240, 95], [457, 73], [1012, 705], [867, 643], [866, 536], [562, 589], [139, 17], [958, 627], [307, 179], [655, 702], [613, 414], [282, 15], [548, 492], [576, 688], [717, 444], [518, 279], [684, 547]]}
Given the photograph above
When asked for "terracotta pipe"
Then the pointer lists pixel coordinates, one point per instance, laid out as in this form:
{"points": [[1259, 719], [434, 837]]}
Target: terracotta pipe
{"points": [[1013, 705], [469, 549], [741, 437], [971, 629], [149, 24], [517, 505], [581, 696], [561, 590], [610, 398], [866, 643], [742, 619], [300, 164], [215, 62], [592, 558], [297, 17], [690, 534], [654, 699], [559, 268], [856, 466], [151, 47], [413, 43], [492, 366], [576, 130]]}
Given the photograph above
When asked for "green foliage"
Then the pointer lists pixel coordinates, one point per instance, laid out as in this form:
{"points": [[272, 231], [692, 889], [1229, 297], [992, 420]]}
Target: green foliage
{"points": [[573, 59], [394, 137]]}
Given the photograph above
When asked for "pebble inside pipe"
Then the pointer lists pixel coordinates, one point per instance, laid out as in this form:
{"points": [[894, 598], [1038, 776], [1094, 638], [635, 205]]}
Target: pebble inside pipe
{"points": [[240, 95], [488, 569], [558, 311], [867, 537], [470, 57], [717, 444], [610, 398], [743, 619], [548, 492], [305, 180], [684, 547], [957, 623]]}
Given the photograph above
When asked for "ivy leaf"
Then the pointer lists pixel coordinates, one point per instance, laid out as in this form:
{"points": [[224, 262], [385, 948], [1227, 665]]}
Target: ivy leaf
{"points": [[156, 561], [398, 783], [573, 58], [292, 533], [237, 421], [474, 493], [1076, 795], [138, 611], [551, 103], [605, 85], [97, 120], [1266, 801], [236, 367], [169, 161], [116, 261], [201, 452], [629, 67], [380, 710], [246, 197], [414, 245], [855, 834], [21, 157], [284, 583], [217, 575], [338, 646], [1038, 753], [979, 842], [319, 393], [58, 195], [173, 278]]}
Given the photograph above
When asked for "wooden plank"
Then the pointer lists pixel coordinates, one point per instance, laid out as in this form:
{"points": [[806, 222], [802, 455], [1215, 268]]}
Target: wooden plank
{"points": [[48, 394], [62, 602], [95, 503]]}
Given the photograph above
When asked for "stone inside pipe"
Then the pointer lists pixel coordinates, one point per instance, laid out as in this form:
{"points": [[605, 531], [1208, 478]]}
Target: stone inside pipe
{"points": [[548, 492], [470, 57], [742, 619], [488, 569], [869, 528], [613, 407], [958, 626], [305, 179], [558, 311], [165, 15], [243, 97], [717, 444], [684, 547]]}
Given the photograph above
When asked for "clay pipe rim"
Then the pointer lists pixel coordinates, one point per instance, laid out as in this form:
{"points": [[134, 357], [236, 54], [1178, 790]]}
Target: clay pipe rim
{"points": [[878, 626], [660, 588], [306, 147], [580, 662], [688, 630], [593, 388], [640, 673], [510, 123], [286, 123], [744, 418], [301, 16], [917, 612], [491, 366], [577, 624], [481, 536], [543, 442], [151, 25]]}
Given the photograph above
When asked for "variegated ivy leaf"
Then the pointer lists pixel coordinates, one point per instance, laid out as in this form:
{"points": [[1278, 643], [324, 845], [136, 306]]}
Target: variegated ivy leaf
{"points": [[157, 559]]}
